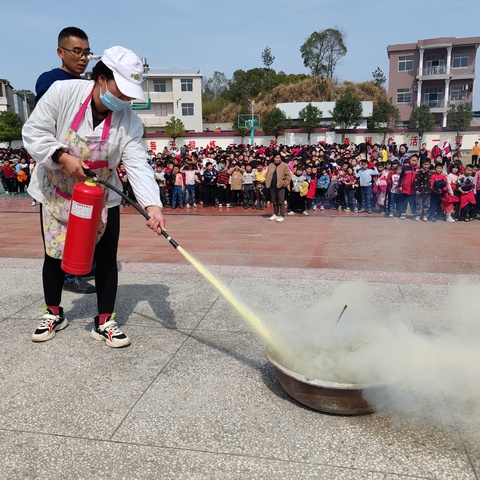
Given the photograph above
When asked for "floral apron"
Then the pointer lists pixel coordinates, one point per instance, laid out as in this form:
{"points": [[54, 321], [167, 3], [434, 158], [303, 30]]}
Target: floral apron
{"points": [[58, 183]]}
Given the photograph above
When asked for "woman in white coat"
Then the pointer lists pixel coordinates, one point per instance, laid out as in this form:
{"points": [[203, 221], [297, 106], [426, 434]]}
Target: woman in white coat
{"points": [[81, 125]]}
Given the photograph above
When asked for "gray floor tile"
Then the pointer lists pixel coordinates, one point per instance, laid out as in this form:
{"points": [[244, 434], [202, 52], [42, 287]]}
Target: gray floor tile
{"points": [[28, 456], [74, 385], [228, 401]]}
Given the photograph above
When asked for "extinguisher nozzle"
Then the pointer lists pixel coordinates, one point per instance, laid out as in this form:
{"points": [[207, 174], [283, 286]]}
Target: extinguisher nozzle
{"points": [[170, 239]]}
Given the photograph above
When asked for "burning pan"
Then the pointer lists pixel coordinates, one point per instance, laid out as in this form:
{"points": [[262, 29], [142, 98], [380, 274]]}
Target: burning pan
{"points": [[328, 397]]}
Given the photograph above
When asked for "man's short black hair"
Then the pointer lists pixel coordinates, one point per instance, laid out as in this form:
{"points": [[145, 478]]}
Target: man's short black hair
{"points": [[71, 32]]}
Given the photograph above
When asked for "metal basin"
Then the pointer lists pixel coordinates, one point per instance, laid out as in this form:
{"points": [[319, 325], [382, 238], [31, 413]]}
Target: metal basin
{"points": [[328, 397]]}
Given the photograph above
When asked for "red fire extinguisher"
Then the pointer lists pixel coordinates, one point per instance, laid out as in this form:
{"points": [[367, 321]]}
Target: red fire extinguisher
{"points": [[82, 227]]}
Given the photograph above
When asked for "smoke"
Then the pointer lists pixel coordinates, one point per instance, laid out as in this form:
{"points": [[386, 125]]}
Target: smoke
{"points": [[422, 369]]}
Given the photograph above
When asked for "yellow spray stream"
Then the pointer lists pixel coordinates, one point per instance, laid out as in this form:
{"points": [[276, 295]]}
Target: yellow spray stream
{"points": [[252, 319], [245, 312]]}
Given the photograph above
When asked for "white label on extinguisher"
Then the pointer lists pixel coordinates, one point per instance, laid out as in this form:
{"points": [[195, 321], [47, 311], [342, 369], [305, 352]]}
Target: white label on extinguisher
{"points": [[81, 210]]}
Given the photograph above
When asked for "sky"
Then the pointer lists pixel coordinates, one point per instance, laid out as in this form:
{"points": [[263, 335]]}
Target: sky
{"points": [[224, 36]]}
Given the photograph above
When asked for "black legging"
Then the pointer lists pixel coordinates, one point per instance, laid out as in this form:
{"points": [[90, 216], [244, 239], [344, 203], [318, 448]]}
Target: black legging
{"points": [[277, 196], [106, 272]]}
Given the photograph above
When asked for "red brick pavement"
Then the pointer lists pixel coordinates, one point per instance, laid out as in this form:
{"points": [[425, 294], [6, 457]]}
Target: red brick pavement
{"points": [[327, 239]]}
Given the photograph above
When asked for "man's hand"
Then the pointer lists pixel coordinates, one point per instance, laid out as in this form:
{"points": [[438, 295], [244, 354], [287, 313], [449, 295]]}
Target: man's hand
{"points": [[156, 221]]}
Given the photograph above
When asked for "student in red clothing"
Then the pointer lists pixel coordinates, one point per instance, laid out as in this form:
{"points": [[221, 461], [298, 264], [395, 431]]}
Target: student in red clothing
{"points": [[9, 175], [406, 181], [435, 197], [466, 189], [311, 174]]}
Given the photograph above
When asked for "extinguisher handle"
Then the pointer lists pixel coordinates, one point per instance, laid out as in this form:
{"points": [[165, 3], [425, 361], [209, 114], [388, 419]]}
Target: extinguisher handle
{"points": [[89, 173]]}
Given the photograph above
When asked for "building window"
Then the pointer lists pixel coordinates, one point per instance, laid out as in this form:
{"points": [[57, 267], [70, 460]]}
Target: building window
{"points": [[404, 95], [161, 110], [434, 97], [187, 109], [405, 63], [187, 84], [435, 64], [458, 93], [159, 85], [460, 60]]}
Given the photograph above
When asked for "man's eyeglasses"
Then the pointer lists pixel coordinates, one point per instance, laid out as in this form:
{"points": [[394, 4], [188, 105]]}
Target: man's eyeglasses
{"points": [[76, 52]]}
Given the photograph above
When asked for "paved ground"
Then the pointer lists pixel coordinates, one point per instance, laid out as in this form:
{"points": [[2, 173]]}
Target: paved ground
{"points": [[194, 397]]}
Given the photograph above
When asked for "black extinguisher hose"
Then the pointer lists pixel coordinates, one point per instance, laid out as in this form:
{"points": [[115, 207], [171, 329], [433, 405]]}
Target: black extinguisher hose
{"points": [[135, 205]]}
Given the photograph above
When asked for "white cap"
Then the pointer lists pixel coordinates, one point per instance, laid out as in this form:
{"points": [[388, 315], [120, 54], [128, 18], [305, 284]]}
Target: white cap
{"points": [[127, 70]]}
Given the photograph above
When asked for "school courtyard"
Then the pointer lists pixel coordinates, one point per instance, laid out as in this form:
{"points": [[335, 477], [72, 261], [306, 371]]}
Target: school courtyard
{"points": [[194, 396]]}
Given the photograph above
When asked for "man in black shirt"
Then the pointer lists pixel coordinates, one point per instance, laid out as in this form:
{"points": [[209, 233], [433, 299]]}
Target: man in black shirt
{"points": [[74, 50]]}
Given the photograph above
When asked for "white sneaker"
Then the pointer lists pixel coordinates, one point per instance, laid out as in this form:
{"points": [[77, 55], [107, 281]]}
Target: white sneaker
{"points": [[188, 205], [314, 207], [280, 219], [34, 202], [291, 213], [110, 333], [220, 205], [194, 204], [322, 207], [49, 325], [273, 217], [305, 214]]}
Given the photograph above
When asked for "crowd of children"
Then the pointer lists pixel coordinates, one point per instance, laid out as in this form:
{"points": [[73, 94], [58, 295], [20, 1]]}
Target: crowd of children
{"points": [[350, 178], [429, 186], [16, 168]]}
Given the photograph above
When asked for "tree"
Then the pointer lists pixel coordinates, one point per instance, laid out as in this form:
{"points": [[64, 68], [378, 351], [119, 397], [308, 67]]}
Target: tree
{"points": [[175, 128], [460, 117], [274, 122], [216, 86], [348, 111], [310, 117], [379, 77], [422, 120], [323, 50], [384, 118], [10, 127], [246, 85], [267, 57]]}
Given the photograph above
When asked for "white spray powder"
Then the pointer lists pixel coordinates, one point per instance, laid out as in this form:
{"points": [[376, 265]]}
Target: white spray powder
{"points": [[372, 345]]}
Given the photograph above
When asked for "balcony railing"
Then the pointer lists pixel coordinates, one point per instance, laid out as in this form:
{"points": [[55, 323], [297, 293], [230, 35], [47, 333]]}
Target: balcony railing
{"points": [[434, 103], [444, 70], [438, 70]]}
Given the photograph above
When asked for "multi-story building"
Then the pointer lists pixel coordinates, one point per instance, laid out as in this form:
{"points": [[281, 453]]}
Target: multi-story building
{"points": [[13, 101], [171, 92], [438, 72]]}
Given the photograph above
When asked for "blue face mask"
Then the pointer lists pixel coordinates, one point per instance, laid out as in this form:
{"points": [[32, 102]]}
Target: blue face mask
{"points": [[112, 102]]}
